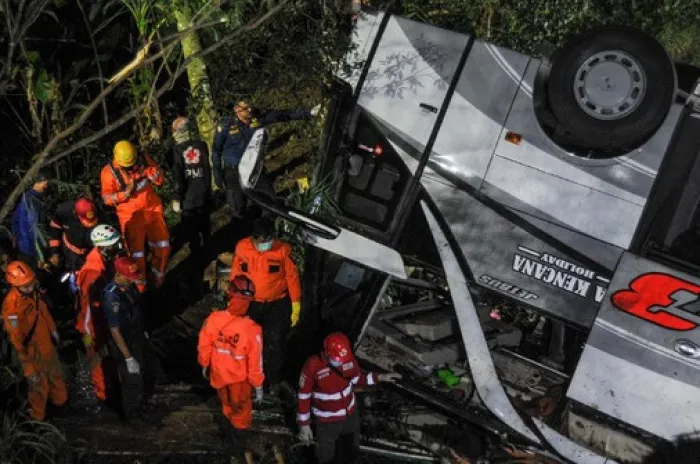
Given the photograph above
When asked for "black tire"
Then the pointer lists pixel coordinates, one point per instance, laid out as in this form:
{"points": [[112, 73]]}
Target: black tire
{"points": [[636, 122]]}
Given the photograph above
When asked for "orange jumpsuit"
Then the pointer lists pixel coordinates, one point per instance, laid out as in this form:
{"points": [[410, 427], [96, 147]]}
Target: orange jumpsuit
{"points": [[29, 326], [232, 348], [141, 214], [92, 279], [273, 272]]}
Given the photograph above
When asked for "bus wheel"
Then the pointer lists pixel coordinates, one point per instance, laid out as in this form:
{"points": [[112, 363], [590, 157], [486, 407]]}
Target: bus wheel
{"points": [[611, 88]]}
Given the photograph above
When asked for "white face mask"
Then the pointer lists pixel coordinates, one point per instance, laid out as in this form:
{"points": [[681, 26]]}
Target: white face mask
{"points": [[336, 363]]}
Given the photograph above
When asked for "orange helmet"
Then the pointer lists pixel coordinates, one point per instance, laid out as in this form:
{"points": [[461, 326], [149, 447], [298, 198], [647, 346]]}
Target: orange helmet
{"points": [[19, 274]]}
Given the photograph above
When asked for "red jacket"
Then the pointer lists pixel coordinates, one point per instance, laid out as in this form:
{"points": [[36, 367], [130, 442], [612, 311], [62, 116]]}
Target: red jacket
{"points": [[325, 393], [273, 272], [232, 347]]}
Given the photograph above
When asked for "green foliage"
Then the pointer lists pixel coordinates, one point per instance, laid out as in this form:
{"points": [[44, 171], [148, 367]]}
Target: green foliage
{"points": [[523, 24], [24, 442]]}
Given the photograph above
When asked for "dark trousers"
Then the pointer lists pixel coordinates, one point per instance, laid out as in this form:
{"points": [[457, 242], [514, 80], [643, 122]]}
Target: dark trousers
{"points": [[341, 439], [274, 317], [132, 385], [234, 192], [195, 229], [235, 197]]}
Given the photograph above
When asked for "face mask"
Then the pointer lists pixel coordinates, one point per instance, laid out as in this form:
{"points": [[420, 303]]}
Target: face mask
{"points": [[336, 363], [27, 289], [264, 246]]}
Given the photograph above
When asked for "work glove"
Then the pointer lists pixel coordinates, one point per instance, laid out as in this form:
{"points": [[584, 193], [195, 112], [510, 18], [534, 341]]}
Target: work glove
{"points": [[389, 377], [56, 337], [305, 434], [55, 260], [259, 395], [315, 110], [205, 372], [132, 366], [152, 173], [87, 340], [176, 206], [296, 310]]}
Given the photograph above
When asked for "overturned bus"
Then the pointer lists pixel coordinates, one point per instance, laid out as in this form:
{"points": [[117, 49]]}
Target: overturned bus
{"points": [[527, 224]]}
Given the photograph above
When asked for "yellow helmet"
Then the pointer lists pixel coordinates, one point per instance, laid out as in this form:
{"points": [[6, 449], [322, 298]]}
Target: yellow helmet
{"points": [[125, 154]]}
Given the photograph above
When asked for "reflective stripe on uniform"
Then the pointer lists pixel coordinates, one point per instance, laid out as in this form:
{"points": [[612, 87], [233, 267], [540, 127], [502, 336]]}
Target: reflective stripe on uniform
{"points": [[160, 244], [228, 352], [340, 413], [137, 254], [303, 417], [73, 248], [304, 396], [140, 185], [333, 396], [370, 378], [355, 379]]}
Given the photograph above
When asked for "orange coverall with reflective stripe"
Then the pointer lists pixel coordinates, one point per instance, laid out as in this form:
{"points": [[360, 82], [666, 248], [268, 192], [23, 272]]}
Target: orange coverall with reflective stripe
{"points": [[35, 349], [141, 214], [273, 272], [232, 348], [89, 300]]}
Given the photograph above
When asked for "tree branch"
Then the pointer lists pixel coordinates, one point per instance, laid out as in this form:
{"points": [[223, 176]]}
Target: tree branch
{"points": [[97, 58], [40, 159]]}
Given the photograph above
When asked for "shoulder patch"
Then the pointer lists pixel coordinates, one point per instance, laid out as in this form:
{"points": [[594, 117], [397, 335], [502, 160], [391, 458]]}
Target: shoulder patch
{"points": [[14, 321]]}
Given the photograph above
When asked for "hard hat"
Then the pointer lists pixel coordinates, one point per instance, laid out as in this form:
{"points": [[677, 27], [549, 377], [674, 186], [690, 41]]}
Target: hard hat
{"points": [[128, 267], [19, 274], [125, 154], [104, 235], [337, 347], [85, 211], [241, 287], [179, 123]]}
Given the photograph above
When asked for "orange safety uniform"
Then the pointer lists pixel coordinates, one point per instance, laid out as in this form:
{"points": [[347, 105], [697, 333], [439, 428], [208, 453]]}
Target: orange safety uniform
{"points": [[273, 272], [92, 278], [141, 214], [29, 326], [232, 348]]}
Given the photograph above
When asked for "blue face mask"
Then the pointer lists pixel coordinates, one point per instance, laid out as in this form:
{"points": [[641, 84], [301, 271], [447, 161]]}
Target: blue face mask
{"points": [[264, 246], [336, 363]]}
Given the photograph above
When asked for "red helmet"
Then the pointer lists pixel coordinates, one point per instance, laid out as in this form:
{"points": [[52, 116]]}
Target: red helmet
{"points": [[241, 287], [19, 274], [337, 347], [86, 212]]}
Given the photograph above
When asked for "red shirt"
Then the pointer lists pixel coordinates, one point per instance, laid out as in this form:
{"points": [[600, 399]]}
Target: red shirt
{"points": [[327, 392]]}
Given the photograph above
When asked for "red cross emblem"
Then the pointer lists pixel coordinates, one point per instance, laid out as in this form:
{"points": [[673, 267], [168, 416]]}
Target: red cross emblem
{"points": [[192, 155]]}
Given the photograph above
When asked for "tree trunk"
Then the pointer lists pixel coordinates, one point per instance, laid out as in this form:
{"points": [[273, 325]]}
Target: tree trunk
{"points": [[197, 77]]}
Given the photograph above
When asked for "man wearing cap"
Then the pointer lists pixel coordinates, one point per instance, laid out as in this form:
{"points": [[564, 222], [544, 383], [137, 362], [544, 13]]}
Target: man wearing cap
{"points": [[128, 185], [232, 137], [230, 353], [29, 223], [192, 182], [122, 309], [69, 235], [277, 303]]}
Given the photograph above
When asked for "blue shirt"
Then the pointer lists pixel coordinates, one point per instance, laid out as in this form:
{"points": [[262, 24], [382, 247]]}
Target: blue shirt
{"points": [[27, 223], [233, 135], [122, 307]]}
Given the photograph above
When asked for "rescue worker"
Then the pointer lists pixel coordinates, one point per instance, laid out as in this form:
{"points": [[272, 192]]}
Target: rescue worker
{"points": [[230, 353], [91, 323], [232, 137], [326, 390], [29, 223], [192, 179], [32, 332], [69, 235], [277, 302], [127, 345], [128, 184]]}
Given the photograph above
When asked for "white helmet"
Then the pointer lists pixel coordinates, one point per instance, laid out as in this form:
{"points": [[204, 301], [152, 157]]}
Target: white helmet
{"points": [[104, 235]]}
